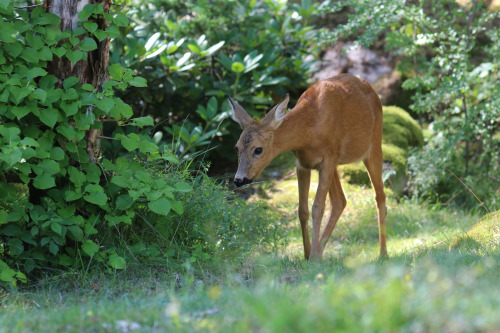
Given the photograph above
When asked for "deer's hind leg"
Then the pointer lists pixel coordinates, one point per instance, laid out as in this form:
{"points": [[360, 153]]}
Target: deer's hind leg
{"points": [[374, 164], [338, 203], [304, 181]]}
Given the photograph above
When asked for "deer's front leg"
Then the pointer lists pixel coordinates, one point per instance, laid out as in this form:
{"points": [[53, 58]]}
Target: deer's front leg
{"points": [[325, 178], [304, 181]]}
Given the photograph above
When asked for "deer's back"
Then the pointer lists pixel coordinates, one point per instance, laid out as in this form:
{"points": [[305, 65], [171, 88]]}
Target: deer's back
{"points": [[344, 118]]}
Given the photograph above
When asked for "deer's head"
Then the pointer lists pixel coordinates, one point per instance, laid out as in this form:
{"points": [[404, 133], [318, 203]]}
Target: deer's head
{"points": [[255, 146]]}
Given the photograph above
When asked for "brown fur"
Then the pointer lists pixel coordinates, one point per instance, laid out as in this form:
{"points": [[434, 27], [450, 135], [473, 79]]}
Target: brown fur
{"points": [[336, 121]]}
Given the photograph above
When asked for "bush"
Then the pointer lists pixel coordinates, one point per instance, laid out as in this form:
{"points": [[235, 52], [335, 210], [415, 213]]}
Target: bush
{"points": [[431, 177], [215, 223], [211, 224], [196, 54], [57, 195], [448, 52]]}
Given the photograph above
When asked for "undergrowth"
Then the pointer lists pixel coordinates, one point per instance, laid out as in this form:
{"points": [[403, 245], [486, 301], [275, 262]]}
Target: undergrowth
{"points": [[215, 224], [428, 284]]}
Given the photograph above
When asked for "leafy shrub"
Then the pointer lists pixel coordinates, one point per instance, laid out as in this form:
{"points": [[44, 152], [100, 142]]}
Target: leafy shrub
{"points": [[54, 198], [59, 208], [215, 223], [448, 53], [431, 177], [194, 54]]}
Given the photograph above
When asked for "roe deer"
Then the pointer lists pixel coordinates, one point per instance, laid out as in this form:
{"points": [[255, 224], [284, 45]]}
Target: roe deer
{"points": [[336, 121]]}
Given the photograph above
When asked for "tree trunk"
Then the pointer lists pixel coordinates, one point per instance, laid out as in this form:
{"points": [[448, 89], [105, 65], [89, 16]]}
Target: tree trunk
{"points": [[93, 70]]}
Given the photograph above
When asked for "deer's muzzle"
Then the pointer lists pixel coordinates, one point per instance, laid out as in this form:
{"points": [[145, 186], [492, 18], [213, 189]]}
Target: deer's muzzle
{"points": [[240, 182]]}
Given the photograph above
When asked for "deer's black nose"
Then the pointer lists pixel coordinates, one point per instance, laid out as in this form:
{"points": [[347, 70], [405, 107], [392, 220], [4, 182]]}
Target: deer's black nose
{"points": [[240, 182]]}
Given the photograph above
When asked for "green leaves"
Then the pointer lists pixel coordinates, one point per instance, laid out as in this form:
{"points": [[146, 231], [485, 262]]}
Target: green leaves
{"points": [[75, 233], [10, 134], [133, 141], [124, 201], [116, 262], [6, 8], [70, 109], [11, 149], [438, 49], [36, 72], [90, 248], [210, 111], [59, 51], [44, 181], [70, 81], [88, 44], [75, 55], [49, 116], [11, 158], [47, 166], [47, 19], [130, 142], [105, 104], [183, 187], [161, 206], [116, 72], [95, 195], [100, 35], [96, 198], [17, 94], [90, 26], [30, 55], [138, 82], [214, 48], [143, 121], [120, 20], [46, 126], [40, 95]]}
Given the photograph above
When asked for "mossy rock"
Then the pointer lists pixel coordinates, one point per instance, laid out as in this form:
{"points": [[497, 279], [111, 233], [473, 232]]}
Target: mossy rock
{"points": [[401, 131], [357, 174], [396, 156], [484, 235]]}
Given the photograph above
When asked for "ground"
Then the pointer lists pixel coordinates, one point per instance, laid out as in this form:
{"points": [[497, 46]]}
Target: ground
{"points": [[430, 282]]}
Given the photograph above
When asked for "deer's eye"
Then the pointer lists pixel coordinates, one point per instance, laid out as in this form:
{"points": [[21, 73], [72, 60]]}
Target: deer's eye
{"points": [[258, 151]]}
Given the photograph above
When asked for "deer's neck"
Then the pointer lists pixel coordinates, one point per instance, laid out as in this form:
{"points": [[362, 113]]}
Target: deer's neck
{"points": [[293, 133]]}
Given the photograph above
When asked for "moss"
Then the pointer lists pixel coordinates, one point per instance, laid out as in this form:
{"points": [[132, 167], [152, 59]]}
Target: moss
{"points": [[357, 174], [400, 129], [396, 156], [484, 235]]}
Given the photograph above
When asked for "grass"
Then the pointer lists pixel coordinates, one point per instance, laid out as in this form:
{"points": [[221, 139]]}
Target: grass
{"points": [[434, 281]]}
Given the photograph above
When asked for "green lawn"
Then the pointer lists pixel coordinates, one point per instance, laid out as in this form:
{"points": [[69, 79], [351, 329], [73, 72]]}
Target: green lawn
{"points": [[440, 277]]}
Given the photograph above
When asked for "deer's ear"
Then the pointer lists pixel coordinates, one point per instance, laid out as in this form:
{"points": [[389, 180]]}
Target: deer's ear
{"points": [[275, 117], [239, 114]]}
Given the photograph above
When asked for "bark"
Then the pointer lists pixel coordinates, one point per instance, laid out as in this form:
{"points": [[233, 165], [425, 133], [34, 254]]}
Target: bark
{"points": [[93, 70]]}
